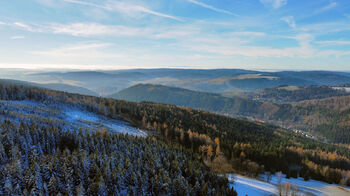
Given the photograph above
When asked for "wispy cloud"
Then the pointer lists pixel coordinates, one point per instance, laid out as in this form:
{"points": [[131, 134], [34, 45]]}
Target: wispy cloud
{"points": [[17, 37], [274, 3], [226, 47], [125, 8], [211, 7], [86, 50], [25, 26], [82, 29], [334, 42], [290, 21], [95, 29], [331, 5], [325, 28]]}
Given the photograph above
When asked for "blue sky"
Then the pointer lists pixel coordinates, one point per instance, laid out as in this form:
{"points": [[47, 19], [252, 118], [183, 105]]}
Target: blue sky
{"points": [[120, 34]]}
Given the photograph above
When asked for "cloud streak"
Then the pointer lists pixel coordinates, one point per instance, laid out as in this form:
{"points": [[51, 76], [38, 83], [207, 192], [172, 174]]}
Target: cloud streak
{"points": [[212, 7], [274, 3], [17, 37], [332, 4], [334, 43], [95, 29], [125, 8], [85, 50]]}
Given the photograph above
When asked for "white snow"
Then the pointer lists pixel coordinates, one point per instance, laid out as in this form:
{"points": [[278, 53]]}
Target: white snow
{"points": [[74, 115], [254, 187], [73, 118], [346, 89], [91, 120], [251, 187]]}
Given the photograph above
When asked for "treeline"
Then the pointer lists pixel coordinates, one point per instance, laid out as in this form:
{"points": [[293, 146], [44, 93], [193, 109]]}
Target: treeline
{"points": [[295, 93], [37, 160], [242, 146]]}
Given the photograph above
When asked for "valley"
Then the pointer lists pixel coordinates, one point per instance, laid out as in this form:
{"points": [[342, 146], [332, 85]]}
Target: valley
{"points": [[175, 98], [222, 143]]}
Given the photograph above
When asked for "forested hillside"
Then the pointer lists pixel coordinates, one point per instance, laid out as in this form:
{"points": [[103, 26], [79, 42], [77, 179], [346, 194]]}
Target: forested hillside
{"points": [[223, 143], [187, 98], [329, 116], [37, 160], [234, 106], [53, 86], [39, 156], [325, 118], [295, 93]]}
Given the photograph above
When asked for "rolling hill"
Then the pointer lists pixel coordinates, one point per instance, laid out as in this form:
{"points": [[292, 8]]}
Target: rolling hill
{"points": [[234, 106], [325, 118], [222, 143], [216, 81], [284, 94]]}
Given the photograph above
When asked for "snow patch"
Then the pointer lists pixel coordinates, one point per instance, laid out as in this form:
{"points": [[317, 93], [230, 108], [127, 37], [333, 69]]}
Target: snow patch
{"points": [[254, 187], [68, 118], [74, 115]]}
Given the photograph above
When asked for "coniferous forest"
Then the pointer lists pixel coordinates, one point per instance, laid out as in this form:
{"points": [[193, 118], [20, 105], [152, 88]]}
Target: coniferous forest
{"points": [[186, 148], [48, 161]]}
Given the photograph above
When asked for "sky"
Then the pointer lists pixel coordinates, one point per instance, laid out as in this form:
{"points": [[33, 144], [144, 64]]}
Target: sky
{"points": [[122, 34]]}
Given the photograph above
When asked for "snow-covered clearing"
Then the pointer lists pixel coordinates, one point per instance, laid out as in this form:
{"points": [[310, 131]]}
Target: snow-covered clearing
{"points": [[72, 118], [91, 120], [254, 187], [251, 187]]}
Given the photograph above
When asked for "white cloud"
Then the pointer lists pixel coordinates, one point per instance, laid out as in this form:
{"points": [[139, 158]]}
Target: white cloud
{"points": [[17, 37], [274, 3], [211, 7], [332, 4], [83, 50], [125, 8], [334, 42], [82, 29], [227, 47], [174, 34], [95, 29], [290, 21], [25, 27]]}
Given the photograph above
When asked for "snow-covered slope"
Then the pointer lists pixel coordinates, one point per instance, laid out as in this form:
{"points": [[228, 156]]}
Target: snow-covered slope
{"points": [[72, 118], [254, 187]]}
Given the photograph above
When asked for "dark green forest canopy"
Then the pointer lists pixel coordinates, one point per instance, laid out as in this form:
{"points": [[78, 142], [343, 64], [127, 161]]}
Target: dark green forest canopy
{"points": [[37, 160]]}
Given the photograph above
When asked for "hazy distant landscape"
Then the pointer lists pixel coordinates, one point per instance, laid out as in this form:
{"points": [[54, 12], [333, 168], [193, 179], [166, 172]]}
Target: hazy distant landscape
{"points": [[175, 98], [264, 137], [290, 99]]}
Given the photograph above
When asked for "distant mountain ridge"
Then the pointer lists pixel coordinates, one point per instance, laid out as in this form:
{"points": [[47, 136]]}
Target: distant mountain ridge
{"points": [[53, 86], [216, 80]]}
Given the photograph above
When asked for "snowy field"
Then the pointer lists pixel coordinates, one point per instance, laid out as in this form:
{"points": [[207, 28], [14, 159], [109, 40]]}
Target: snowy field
{"points": [[72, 118], [253, 187]]}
